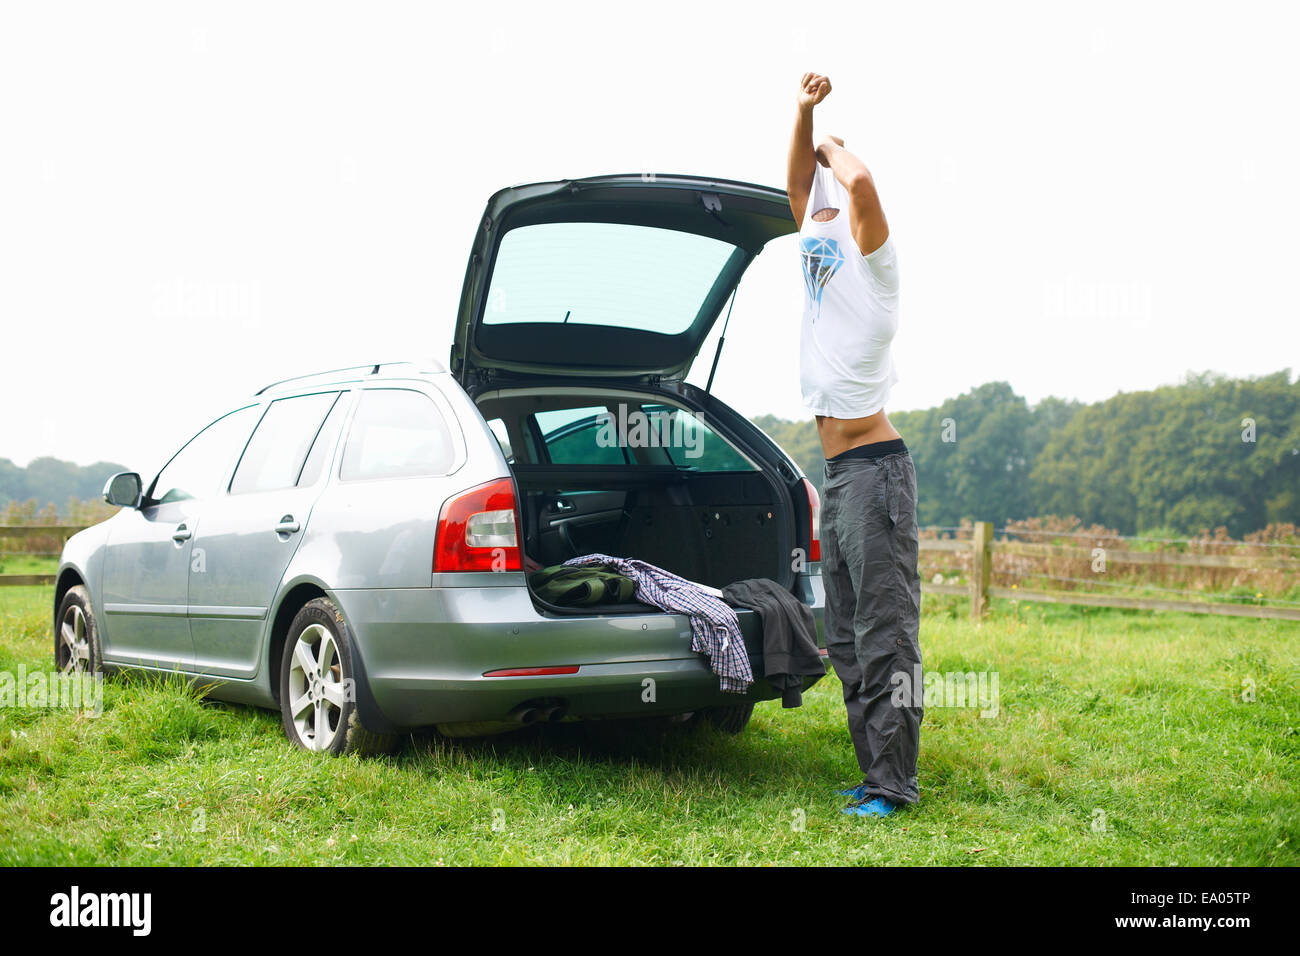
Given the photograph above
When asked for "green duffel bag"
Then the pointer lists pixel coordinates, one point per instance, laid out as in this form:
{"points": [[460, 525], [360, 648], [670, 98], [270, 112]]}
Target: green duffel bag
{"points": [[574, 586]]}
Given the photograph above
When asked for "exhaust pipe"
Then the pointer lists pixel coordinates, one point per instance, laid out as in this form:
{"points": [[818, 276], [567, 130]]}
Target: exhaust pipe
{"points": [[525, 715], [552, 715]]}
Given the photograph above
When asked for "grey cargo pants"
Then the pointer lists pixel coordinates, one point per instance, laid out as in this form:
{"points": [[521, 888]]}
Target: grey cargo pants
{"points": [[873, 611]]}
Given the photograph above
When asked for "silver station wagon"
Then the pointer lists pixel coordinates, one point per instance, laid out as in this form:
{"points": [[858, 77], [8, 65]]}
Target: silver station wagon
{"points": [[349, 547]]}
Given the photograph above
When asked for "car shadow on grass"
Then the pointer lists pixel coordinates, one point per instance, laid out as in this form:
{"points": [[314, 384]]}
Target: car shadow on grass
{"points": [[752, 761]]}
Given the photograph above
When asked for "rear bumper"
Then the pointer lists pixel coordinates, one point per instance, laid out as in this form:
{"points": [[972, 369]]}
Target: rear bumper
{"points": [[424, 653]]}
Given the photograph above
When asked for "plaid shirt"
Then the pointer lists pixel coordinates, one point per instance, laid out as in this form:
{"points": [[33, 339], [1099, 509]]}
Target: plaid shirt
{"points": [[715, 631]]}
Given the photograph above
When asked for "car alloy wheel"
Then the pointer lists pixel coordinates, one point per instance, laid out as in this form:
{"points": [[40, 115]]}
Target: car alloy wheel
{"points": [[316, 688], [74, 641]]}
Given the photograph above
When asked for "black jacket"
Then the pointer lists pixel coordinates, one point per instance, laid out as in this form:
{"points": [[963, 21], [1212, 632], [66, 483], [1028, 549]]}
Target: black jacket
{"points": [[789, 635]]}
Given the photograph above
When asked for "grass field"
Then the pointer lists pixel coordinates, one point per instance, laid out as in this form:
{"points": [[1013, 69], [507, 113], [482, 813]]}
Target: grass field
{"points": [[1121, 738], [28, 564]]}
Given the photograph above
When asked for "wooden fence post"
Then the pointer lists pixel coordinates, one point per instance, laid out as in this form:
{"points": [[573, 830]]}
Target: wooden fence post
{"points": [[982, 568]]}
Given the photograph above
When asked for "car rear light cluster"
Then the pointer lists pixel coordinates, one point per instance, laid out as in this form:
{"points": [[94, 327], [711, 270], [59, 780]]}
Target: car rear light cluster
{"points": [[478, 530], [815, 520]]}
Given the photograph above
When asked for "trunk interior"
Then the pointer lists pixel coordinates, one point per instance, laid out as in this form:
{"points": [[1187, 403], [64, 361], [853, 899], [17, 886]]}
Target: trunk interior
{"points": [[711, 529], [694, 504]]}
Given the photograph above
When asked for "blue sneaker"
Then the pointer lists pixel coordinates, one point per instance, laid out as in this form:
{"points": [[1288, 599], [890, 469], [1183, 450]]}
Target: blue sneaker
{"points": [[858, 793], [875, 807]]}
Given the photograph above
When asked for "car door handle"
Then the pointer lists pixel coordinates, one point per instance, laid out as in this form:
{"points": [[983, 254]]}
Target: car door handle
{"points": [[287, 525], [181, 534]]}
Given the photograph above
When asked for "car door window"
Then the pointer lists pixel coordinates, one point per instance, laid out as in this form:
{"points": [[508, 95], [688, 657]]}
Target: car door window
{"points": [[200, 468], [397, 433], [690, 443], [277, 451], [323, 446], [581, 436]]}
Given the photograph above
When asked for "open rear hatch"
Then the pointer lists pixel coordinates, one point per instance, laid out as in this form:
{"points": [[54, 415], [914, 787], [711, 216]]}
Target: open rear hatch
{"points": [[616, 277], [617, 281]]}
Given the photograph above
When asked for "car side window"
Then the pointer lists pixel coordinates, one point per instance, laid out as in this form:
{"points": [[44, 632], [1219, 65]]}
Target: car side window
{"points": [[277, 451], [324, 443], [396, 433], [690, 443], [581, 436], [200, 468], [502, 435]]}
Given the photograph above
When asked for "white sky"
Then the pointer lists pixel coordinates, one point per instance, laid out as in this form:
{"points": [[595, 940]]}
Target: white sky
{"points": [[194, 202]]}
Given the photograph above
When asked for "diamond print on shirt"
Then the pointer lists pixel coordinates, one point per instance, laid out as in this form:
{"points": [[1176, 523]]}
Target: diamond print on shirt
{"points": [[821, 259]]}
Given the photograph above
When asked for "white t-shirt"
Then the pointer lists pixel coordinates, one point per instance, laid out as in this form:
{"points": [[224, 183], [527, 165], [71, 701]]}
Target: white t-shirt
{"points": [[846, 368]]}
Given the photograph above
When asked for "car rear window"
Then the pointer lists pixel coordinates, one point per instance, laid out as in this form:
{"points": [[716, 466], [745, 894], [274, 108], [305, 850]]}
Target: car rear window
{"points": [[602, 273]]}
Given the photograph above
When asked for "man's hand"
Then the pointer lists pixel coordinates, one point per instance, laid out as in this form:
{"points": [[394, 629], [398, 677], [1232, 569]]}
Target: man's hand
{"points": [[822, 142], [813, 88]]}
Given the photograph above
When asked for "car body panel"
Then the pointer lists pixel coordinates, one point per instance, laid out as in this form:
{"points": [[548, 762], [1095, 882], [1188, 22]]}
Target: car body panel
{"points": [[237, 563], [82, 562], [426, 653], [145, 585]]}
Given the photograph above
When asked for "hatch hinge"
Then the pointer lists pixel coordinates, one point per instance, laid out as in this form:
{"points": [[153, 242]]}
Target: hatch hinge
{"points": [[713, 206]]}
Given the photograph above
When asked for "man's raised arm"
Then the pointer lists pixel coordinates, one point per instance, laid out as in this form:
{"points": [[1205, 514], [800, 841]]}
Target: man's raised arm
{"points": [[801, 163]]}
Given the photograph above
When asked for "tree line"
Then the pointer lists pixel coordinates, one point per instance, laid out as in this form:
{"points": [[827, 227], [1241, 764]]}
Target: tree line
{"points": [[48, 481], [1209, 452]]}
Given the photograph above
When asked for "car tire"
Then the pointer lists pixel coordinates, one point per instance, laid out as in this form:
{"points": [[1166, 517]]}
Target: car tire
{"points": [[318, 707], [732, 718], [76, 634]]}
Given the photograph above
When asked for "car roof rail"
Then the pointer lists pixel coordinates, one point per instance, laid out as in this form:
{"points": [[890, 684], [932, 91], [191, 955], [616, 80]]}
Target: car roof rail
{"points": [[370, 368]]}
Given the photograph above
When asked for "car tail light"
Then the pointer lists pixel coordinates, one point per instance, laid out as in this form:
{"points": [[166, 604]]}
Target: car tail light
{"points": [[478, 530], [815, 516]]}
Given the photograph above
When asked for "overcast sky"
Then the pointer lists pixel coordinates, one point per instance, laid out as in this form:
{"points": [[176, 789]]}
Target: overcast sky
{"points": [[194, 203]]}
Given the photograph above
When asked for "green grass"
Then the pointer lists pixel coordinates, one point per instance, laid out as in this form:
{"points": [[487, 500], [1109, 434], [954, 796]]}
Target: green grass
{"points": [[27, 564], [1135, 715]]}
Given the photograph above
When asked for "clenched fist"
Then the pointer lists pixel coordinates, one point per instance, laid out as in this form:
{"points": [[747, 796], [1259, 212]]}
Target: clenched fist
{"points": [[813, 88]]}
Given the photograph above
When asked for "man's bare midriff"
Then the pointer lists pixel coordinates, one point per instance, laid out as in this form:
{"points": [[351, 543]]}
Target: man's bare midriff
{"points": [[838, 435]]}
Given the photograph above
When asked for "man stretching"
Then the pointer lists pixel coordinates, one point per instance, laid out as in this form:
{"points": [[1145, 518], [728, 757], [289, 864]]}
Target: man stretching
{"points": [[868, 515]]}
